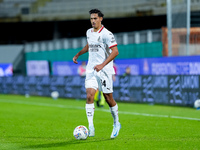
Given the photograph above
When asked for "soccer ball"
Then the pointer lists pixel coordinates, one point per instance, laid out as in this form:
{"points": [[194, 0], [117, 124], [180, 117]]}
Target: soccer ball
{"points": [[54, 94], [197, 104], [80, 132]]}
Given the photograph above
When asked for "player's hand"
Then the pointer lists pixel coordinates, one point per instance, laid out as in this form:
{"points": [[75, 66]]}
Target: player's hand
{"points": [[75, 59], [98, 67]]}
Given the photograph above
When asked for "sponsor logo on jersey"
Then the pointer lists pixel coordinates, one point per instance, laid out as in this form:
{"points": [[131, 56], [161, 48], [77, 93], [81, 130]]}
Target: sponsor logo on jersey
{"points": [[94, 47]]}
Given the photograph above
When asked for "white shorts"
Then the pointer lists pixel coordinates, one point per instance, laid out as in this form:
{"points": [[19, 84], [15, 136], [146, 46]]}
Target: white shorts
{"points": [[99, 80]]}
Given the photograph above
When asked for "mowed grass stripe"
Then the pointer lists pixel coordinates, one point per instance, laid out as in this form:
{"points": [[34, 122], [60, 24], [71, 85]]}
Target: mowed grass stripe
{"points": [[96, 109]]}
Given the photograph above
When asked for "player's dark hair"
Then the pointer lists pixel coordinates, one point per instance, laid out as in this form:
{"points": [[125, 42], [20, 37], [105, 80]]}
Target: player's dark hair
{"points": [[96, 11]]}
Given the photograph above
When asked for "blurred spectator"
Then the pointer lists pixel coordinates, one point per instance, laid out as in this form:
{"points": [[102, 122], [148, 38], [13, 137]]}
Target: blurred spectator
{"points": [[99, 98], [127, 71], [115, 68], [82, 69]]}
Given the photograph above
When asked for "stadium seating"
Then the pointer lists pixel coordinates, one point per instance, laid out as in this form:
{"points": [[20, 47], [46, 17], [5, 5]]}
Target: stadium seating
{"points": [[13, 8], [78, 9], [60, 9]]}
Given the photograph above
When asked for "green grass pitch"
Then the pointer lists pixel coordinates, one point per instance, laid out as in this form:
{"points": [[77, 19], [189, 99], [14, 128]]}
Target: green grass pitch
{"points": [[41, 123]]}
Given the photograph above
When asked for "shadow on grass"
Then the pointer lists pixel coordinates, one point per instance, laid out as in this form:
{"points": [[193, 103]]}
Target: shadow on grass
{"points": [[60, 144]]}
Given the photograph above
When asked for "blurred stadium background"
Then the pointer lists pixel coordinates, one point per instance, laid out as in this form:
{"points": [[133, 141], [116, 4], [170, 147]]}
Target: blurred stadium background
{"points": [[38, 39]]}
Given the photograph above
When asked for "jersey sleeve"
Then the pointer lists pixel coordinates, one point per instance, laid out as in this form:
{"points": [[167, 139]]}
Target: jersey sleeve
{"points": [[87, 32], [110, 40], [87, 35]]}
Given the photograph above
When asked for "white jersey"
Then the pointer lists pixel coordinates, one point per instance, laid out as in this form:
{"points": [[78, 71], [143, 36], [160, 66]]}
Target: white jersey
{"points": [[99, 44]]}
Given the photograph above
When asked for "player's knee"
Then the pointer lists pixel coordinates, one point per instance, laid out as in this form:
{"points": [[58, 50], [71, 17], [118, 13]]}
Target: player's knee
{"points": [[90, 98]]}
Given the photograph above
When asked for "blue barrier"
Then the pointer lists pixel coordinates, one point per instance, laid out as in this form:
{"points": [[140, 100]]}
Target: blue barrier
{"points": [[180, 90]]}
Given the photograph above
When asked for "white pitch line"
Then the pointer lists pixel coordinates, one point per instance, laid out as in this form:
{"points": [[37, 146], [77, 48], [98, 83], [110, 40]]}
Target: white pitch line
{"points": [[39, 104], [187, 118], [104, 110]]}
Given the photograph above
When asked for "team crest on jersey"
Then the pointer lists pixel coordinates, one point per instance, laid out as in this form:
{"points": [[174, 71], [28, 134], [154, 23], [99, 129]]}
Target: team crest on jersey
{"points": [[99, 39]]}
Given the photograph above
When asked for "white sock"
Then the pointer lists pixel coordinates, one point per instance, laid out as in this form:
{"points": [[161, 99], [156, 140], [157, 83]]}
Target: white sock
{"points": [[90, 113], [114, 112]]}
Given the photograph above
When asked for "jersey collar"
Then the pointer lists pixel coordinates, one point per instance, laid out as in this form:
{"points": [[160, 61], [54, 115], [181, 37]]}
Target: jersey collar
{"points": [[100, 29]]}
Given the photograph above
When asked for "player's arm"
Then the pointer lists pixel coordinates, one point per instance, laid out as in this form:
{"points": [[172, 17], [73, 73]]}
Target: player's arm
{"points": [[83, 51], [111, 57]]}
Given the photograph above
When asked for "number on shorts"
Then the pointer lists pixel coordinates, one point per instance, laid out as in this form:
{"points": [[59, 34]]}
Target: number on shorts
{"points": [[103, 83]]}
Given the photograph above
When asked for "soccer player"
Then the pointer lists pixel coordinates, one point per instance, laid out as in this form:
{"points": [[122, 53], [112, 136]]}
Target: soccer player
{"points": [[102, 49]]}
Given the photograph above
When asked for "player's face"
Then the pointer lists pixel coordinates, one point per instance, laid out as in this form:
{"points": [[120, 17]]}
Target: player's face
{"points": [[95, 21]]}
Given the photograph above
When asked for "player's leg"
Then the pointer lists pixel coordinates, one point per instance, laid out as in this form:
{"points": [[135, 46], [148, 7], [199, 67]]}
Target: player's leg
{"points": [[113, 107], [90, 109], [107, 88], [114, 111], [91, 86]]}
